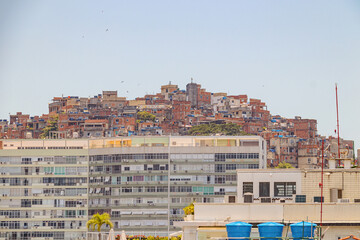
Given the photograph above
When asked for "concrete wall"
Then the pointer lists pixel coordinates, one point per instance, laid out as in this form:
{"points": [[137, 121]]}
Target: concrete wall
{"points": [[293, 212], [238, 212]]}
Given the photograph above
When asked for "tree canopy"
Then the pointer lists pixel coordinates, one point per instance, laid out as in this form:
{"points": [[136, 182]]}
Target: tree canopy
{"points": [[229, 129], [145, 116], [52, 125], [98, 220], [284, 165]]}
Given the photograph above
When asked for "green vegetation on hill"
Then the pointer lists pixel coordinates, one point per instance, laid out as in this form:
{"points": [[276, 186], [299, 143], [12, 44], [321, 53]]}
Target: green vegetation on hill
{"points": [[284, 165], [52, 125], [229, 129], [145, 116]]}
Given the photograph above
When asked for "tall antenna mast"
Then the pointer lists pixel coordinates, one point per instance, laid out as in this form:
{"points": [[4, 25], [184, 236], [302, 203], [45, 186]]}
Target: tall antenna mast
{"points": [[337, 117], [322, 181]]}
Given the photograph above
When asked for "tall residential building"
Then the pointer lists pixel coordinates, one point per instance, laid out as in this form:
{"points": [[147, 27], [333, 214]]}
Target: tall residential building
{"points": [[43, 189], [50, 188]]}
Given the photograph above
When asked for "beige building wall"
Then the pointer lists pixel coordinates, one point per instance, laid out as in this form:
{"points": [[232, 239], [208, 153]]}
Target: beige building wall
{"points": [[136, 102], [346, 181]]}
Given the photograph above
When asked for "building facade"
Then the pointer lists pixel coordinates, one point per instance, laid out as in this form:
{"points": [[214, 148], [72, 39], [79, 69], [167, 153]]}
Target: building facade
{"points": [[286, 196], [43, 189], [299, 186], [49, 188]]}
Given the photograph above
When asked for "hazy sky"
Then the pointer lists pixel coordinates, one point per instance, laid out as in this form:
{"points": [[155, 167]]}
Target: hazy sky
{"points": [[290, 54]]}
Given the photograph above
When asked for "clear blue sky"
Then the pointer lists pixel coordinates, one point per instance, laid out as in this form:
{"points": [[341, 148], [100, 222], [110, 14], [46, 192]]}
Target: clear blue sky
{"points": [[287, 53]]}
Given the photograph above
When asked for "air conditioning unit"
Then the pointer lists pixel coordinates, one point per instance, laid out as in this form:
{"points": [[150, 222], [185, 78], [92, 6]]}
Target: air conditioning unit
{"points": [[343, 200], [230, 199], [265, 200], [248, 198]]}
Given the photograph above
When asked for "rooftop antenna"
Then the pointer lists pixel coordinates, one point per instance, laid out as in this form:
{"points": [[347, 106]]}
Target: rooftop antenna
{"points": [[192, 80], [322, 182], [337, 117]]}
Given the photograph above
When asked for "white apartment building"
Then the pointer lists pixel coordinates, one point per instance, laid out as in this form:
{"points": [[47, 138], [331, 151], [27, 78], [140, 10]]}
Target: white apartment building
{"points": [[50, 188]]}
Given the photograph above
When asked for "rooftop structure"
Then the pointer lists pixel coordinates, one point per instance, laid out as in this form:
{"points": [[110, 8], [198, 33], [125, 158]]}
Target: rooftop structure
{"points": [[286, 196]]}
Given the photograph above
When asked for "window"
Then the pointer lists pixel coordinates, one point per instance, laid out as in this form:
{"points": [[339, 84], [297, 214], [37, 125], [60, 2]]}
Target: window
{"points": [[339, 193], [230, 166], [264, 189], [248, 187], [219, 167], [149, 189], [318, 199], [284, 189], [126, 189], [219, 179], [300, 199], [230, 178], [37, 202]]}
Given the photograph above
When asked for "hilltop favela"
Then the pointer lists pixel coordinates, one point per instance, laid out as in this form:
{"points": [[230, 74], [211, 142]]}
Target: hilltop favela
{"points": [[179, 120], [181, 163]]}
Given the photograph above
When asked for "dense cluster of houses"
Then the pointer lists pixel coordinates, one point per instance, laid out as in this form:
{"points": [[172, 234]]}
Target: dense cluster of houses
{"points": [[175, 112]]}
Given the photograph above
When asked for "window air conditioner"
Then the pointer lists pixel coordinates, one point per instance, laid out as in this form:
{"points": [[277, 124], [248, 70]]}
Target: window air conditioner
{"points": [[248, 198], [230, 199], [265, 200]]}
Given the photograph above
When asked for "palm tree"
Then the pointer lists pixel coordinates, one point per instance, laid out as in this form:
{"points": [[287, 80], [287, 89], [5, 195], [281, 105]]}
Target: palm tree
{"points": [[98, 220]]}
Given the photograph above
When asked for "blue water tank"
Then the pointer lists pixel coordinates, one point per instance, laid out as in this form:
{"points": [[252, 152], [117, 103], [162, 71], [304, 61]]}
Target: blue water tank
{"points": [[302, 229], [238, 230], [271, 230]]}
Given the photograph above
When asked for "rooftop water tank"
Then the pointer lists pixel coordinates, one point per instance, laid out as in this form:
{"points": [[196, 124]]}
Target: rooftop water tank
{"points": [[302, 229], [271, 230], [238, 230]]}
